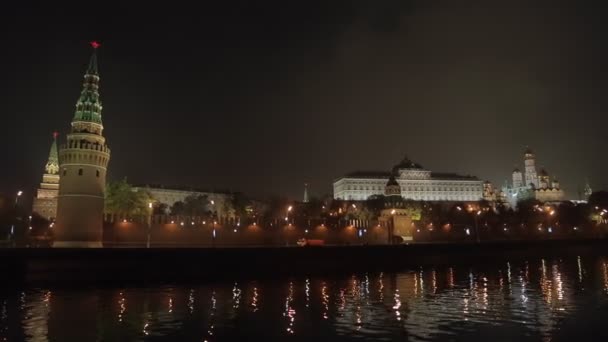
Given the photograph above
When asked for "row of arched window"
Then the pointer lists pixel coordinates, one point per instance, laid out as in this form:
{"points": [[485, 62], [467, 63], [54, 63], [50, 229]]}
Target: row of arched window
{"points": [[80, 172], [412, 188]]}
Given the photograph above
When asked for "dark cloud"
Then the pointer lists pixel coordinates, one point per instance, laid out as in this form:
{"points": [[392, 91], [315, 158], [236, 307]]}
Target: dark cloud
{"points": [[263, 96]]}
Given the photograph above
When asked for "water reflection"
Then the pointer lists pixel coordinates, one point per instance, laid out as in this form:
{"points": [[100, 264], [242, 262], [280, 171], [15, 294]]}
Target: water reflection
{"points": [[529, 299]]}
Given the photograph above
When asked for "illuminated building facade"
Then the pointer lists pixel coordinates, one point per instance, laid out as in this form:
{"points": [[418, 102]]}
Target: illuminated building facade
{"points": [[45, 203], [415, 183], [532, 184], [83, 162]]}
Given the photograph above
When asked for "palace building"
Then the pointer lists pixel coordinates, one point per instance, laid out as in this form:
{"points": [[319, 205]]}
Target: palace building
{"points": [[45, 203], [415, 183]]}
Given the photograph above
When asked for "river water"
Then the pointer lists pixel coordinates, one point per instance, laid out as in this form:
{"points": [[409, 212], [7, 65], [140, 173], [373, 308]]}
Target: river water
{"points": [[533, 300]]}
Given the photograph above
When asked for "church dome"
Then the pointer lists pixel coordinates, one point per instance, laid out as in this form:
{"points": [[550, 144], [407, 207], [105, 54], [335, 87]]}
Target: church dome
{"points": [[392, 181], [406, 163], [516, 170], [543, 172]]}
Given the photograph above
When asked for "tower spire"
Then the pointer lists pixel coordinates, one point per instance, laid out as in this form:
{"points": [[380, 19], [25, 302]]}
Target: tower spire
{"points": [[88, 106], [92, 69], [52, 165], [305, 199]]}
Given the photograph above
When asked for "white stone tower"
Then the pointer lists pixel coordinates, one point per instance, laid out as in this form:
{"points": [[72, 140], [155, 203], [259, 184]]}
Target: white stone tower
{"points": [[518, 180], [530, 174], [83, 162], [45, 203]]}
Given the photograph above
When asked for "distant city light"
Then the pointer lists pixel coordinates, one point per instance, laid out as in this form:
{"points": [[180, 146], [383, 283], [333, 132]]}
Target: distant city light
{"points": [[466, 231], [550, 230]]}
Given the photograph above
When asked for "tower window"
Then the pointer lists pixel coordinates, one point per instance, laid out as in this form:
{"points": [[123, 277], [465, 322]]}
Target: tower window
{"points": [[97, 173], [80, 171]]}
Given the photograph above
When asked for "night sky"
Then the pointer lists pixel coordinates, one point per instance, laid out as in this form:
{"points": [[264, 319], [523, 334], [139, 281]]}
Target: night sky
{"points": [[263, 96]]}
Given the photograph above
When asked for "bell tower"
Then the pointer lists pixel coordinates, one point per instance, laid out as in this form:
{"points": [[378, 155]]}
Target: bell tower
{"points": [[530, 174], [83, 162]]}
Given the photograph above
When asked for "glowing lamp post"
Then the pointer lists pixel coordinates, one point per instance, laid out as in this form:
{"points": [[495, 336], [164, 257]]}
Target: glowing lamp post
{"points": [[149, 232], [12, 232], [213, 235], [475, 215], [477, 226]]}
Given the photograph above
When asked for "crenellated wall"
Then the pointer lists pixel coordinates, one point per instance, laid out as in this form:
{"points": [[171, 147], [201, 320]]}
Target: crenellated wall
{"points": [[167, 231]]}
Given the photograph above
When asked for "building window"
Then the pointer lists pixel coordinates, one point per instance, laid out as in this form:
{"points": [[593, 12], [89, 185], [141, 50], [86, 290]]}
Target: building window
{"points": [[97, 173], [65, 172], [80, 171]]}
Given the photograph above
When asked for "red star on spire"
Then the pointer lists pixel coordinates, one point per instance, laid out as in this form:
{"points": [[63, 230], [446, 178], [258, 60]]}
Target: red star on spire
{"points": [[55, 135], [95, 44]]}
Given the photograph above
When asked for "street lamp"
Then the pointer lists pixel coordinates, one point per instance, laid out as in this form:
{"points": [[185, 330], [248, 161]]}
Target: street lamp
{"points": [[213, 234], [477, 226], [12, 232], [149, 232], [289, 209]]}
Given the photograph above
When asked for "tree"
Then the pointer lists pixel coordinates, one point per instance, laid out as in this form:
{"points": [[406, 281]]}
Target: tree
{"points": [[193, 205], [599, 199], [160, 209], [122, 199]]}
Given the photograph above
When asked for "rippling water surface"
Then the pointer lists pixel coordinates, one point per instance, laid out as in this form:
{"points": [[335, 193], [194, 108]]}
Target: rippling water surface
{"points": [[536, 300]]}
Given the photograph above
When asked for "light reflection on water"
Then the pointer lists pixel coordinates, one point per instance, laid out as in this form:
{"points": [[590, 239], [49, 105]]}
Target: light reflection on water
{"points": [[524, 300]]}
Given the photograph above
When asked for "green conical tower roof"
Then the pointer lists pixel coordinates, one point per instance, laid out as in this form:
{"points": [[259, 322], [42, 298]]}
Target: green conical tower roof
{"points": [[88, 106], [92, 69], [53, 153], [52, 165]]}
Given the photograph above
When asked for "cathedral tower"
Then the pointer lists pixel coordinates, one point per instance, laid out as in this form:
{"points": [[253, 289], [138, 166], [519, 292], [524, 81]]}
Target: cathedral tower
{"points": [[83, 162], [518, 180], [45, 203], [530, 174], [305, 199]]}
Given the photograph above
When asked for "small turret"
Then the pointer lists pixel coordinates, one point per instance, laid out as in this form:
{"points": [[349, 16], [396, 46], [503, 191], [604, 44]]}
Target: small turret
{"points": [[543, 179], [392, 187], [588, 191], [555, 184]]}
